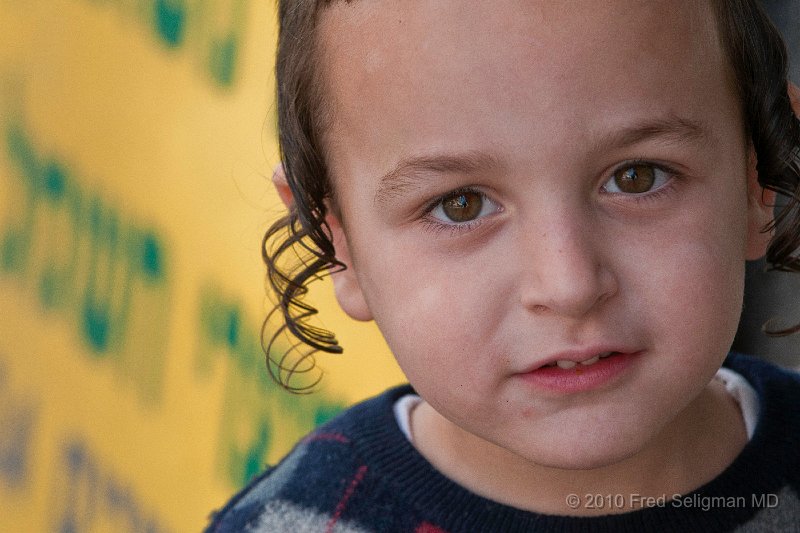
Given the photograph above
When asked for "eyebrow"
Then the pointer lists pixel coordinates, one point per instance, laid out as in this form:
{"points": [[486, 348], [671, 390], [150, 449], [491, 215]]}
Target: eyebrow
{"points": [[408, 173], [671, 129]]}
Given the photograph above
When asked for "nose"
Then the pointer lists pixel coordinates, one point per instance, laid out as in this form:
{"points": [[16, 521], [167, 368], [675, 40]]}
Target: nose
{"points": [[566, 270]]}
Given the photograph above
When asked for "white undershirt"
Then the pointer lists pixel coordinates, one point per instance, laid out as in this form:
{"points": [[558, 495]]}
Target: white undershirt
{"points": [[738, 387]]}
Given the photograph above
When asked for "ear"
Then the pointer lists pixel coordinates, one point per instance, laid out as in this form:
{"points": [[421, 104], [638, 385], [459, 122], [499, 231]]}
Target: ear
{"points": [[760, 201], [760, 210], [345, 283], [794, 97], [282, 186]]}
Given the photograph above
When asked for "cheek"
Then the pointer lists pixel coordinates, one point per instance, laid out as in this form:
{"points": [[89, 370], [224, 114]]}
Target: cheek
{"points": [[696, 280], [435, 315]]}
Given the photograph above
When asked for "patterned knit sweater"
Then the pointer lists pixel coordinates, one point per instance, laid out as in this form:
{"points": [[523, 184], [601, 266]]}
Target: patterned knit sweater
{"points": [[360, 473]]}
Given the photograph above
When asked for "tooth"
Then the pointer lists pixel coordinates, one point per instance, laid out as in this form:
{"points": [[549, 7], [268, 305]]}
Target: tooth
{"points": [[591, 361], [566, 364], [604, 355]]}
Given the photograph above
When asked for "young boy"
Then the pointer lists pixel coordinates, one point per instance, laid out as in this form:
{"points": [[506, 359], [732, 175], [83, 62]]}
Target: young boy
{"points": [[546, 207]]}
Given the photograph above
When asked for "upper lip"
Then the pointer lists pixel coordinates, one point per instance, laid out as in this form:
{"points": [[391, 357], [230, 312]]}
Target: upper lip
{"points": [[577, 355]]}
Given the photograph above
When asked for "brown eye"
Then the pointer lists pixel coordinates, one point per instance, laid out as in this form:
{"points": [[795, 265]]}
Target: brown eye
{"points": [[463, 206], [635, 179]]}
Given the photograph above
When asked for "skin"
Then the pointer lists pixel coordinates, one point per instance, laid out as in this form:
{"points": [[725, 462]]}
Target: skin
{"points": [[537, 95]]}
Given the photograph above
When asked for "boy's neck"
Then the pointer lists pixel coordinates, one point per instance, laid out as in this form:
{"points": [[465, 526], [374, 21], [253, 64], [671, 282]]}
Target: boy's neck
{"points": [[695, 448]]}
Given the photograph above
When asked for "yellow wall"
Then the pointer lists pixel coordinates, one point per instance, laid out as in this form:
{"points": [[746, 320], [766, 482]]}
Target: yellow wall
{"points": [[136, 142]]}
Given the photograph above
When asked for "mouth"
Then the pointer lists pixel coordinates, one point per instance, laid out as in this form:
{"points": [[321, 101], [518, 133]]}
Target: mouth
{"points": [[567, 364], [577, 371]]}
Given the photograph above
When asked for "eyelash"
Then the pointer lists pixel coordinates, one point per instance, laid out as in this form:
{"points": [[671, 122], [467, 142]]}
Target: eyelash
{"points": [[436, 227], [650, 196], [432, 225]]}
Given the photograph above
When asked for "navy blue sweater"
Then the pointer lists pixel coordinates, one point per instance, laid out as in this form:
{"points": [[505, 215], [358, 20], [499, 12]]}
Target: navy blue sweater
{"points": [[360, 473]]}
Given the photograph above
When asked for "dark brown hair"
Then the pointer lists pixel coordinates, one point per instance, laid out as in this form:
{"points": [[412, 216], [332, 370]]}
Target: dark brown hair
{"points": [[298, 248]]}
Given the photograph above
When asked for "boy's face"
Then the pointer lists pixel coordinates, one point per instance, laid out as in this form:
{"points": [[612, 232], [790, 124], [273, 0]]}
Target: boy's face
{"points": [[600, 176]]}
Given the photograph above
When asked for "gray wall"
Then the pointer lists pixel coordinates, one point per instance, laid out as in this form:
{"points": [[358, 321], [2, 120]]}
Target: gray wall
{"points": [[774, 294]]}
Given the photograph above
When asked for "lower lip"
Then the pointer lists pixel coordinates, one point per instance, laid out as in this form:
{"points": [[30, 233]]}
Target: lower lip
{"points": [[581, 377]]}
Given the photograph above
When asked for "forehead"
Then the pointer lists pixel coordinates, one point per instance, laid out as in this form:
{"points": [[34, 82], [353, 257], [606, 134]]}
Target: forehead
{"points": [[408, 74]]}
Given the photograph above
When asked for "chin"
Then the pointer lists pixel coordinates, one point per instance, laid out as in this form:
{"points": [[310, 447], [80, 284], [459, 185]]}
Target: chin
{"points": [[592, 462], [587, 454]]}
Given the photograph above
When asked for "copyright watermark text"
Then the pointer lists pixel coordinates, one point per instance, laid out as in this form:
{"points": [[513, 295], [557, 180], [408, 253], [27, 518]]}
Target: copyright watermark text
{"points": [[612, 502]]}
